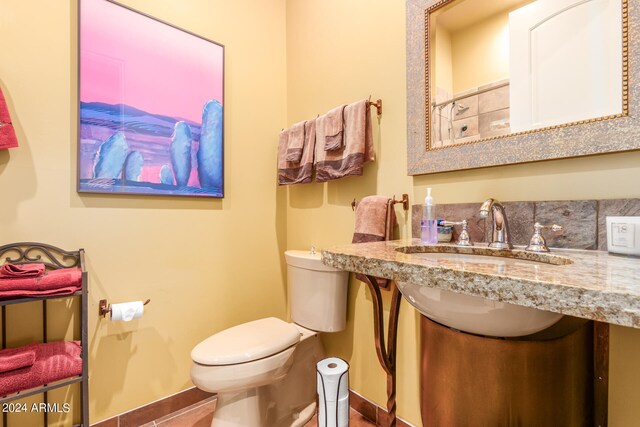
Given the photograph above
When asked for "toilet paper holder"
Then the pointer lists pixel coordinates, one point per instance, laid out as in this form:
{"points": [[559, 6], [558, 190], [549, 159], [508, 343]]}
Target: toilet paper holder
{"points": [[104, 307]]}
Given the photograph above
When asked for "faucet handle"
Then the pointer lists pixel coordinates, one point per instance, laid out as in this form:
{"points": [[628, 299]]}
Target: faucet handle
{"points": [[538, 243], [463, 238]]}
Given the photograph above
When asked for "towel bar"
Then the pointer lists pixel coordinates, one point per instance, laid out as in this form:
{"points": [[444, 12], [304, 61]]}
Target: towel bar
{"points": [[377, 104], [404, 201]]}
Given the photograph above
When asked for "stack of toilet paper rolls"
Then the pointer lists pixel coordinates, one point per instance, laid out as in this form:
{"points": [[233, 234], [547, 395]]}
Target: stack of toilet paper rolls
{"points": [[333, 392]]}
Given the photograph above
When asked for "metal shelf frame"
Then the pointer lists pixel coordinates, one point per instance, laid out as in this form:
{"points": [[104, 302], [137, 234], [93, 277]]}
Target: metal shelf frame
{"points": [[53, 258]]}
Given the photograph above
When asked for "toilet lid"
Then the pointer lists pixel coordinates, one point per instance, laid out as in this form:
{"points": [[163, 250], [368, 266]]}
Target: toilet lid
{"points": [[247, 342]]}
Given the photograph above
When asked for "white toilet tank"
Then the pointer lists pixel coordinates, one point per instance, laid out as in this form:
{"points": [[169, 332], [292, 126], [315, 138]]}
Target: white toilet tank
{"points": [[317, 292]]}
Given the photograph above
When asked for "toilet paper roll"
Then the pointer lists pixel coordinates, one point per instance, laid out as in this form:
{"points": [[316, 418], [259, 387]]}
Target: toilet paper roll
{"points": [[333, 392], [127, 311]]}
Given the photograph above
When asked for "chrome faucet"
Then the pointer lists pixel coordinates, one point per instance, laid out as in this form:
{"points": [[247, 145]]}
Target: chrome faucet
{"points": [[499, 226]]}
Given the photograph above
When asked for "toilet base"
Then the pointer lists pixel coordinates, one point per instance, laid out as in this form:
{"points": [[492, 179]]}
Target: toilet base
{"points": [[289, 402], [255, 408]]}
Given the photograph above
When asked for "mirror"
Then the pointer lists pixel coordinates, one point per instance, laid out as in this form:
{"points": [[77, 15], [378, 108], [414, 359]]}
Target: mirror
{"points": [[511, 81], [508, 66]]}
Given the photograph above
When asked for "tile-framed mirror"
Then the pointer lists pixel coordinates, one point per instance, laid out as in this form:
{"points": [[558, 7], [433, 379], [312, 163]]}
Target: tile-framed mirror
{"points": [[514, 83]]}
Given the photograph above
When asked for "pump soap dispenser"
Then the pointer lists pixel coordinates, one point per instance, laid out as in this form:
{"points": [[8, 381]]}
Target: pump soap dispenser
{"points": [[429, 226]]}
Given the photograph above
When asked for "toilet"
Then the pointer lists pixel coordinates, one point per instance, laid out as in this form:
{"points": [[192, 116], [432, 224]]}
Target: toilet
{"points": [[264, 371]]}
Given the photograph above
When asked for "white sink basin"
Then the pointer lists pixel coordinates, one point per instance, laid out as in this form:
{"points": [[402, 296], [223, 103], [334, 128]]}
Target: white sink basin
{"points": [[471, 313]]}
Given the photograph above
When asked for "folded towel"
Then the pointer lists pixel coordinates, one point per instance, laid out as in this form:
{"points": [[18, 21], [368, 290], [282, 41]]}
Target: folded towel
{"points": [[21, 270], [55, 282], [358, 145], [375, 219], [16, 358], [53, 361], [333, 129], [300, 172], [295, 142], [7, 133]]}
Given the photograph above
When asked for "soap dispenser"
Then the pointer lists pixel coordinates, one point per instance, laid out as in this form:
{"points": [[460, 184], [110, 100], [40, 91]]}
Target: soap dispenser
{"points": [[429, 226]]}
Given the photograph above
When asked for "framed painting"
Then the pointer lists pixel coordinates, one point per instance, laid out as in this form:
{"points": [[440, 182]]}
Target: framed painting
{"points": [[150, 105]]}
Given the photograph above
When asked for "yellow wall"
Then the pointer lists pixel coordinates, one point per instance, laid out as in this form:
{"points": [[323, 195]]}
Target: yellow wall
{"points": [[334, 57], [198, 280], [331, 59], [481, 53], [443, 65], [190, 256]]}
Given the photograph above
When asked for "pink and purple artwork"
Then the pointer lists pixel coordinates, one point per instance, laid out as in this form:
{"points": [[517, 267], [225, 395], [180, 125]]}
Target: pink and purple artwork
{"points": [[151, 106]]}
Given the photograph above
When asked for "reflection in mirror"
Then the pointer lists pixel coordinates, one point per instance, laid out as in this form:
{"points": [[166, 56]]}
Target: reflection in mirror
{"points": [[506, 66]]}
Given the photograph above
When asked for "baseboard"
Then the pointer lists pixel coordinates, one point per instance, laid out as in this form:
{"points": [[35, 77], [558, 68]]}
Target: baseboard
{"points": [[154, 410], [170, 404], [372, 412]]}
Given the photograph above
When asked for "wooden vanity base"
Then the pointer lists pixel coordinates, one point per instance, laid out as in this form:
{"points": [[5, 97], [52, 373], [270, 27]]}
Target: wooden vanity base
{"points": [[469, 380]]}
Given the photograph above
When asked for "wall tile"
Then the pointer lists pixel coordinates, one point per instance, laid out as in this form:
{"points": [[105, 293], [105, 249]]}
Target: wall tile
{"points": [[453, 212], [578, 219], [493, 84], [470, 109], [496, 99], [472, 127], [471, 90], [442, 95], [494, 123], [460, 211], [614, 207], [520, 218], [416, 216], [583, 221]]}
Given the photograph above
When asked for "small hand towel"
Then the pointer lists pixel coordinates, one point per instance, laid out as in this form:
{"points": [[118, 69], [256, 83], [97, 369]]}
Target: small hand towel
{"points": [[375, 219], [296, 137], [333, 129], [7, 133], [358, 145], [16, 358], [297, 172], [12, 271]]}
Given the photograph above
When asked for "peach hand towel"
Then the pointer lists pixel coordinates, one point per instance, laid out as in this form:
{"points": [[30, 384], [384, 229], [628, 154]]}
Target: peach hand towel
{"points": [[297, 172], [358, 145], [375, 220], [295, 143], [334, 129]]}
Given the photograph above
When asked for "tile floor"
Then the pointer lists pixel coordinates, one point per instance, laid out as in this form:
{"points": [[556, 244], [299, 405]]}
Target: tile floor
{"points": [[200, 414]]}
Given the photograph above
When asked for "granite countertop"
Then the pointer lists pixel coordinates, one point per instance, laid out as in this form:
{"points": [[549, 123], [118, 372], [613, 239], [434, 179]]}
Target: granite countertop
{"points": [[596, 285]]}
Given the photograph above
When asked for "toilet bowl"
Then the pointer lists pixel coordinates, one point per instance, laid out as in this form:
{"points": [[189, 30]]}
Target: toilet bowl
{"points": [[264, 371], [253, 385]]}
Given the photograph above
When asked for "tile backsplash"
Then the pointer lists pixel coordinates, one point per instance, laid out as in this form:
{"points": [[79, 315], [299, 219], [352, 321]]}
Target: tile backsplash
{"points": [[583, 221], [472, 117]]}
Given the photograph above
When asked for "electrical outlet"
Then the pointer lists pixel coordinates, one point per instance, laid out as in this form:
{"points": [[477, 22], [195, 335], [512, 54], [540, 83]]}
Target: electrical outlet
{"points": [[623, 235]]}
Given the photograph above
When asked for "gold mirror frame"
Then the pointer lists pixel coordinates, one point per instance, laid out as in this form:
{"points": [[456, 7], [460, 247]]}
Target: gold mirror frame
{"points": [[619, 132]]}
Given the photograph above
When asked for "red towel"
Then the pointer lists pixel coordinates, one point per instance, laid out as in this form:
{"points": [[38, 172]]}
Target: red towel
{"points": [[16, 358], [375, 219], [54, 361], [7, 133], [55, 282], [11, 271]]}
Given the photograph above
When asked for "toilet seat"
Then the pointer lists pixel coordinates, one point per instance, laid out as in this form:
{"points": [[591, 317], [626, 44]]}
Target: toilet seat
{"points": [[246, 342]]}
